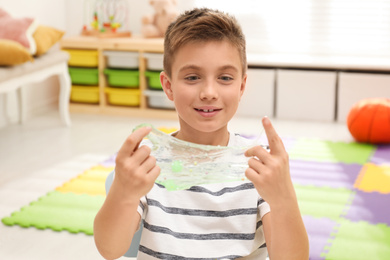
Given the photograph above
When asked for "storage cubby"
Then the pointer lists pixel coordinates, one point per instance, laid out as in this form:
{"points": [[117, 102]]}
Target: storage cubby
{"points": [[84, 75], [117, 76]]}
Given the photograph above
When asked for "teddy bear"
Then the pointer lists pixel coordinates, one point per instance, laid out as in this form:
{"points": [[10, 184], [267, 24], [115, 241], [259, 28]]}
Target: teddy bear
{"points": [[155, 25]]}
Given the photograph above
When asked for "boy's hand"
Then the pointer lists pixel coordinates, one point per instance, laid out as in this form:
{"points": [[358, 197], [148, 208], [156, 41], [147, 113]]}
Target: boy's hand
{"points": [[136, 169], [269, 171]]}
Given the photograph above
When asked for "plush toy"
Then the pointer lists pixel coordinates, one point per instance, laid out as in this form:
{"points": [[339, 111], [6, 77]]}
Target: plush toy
{"points": [[155, 25], [369, 120]]}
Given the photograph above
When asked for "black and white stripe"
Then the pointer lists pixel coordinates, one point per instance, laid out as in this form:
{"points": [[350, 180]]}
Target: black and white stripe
{"points": [[192, 236], [199, 212]]}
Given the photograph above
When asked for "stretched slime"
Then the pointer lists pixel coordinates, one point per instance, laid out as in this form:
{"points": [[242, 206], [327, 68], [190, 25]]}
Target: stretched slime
{"points": [[184, 164]]}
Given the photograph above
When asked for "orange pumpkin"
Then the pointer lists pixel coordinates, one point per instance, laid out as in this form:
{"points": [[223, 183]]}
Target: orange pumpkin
{"points": [[369, 120]]}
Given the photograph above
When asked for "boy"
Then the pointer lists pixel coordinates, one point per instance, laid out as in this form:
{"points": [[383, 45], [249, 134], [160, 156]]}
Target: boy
{"points": [[205, 76]]}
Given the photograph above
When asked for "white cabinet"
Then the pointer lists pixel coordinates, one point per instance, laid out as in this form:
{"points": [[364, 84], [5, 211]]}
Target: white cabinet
{"points": [[258, 98], [306, 95], [357, 86]]}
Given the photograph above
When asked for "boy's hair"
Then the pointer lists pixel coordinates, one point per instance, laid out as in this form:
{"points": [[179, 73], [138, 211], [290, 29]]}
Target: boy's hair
{"points": [[203, 25]]}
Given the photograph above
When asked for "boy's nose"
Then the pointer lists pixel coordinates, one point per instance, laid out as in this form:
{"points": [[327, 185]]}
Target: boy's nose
{"points": [[209, 91]]}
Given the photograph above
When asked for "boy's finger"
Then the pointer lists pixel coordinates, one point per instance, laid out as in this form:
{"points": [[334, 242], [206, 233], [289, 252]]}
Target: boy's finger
{"points": [[274, 141], [154, 172], [148, 163], [132, 142], [259, 152], [252, 175], [141, 154]]}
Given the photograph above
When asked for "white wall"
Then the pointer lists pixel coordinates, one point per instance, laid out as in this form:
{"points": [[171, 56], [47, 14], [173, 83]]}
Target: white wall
{"points": [[76, 14], [67, 15], [48, 12]]}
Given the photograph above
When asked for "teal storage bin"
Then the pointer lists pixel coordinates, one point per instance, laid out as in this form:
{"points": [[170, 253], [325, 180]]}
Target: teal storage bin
{"points": [[84, 76], [122, 78], [153, 79]]}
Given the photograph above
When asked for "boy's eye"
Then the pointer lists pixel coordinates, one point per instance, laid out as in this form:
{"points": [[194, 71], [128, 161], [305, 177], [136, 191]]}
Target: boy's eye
{"points": [[226, 78], [192, 78]]}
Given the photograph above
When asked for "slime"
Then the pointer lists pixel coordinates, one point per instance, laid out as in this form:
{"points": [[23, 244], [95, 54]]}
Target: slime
{"points": [[185, 164]]}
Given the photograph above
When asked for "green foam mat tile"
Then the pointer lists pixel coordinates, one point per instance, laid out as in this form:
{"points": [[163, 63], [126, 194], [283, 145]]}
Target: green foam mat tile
{"points": [[59, 211], [323, 201], [327, 151], [359, 241]]}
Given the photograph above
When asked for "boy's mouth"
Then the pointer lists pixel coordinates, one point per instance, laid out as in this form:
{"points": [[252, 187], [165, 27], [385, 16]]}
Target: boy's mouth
{"points": [[207, 110]]}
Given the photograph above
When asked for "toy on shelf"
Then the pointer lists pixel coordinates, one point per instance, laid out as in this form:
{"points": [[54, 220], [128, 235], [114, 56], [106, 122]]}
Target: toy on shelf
{"points": [[155, 25], [106, 18]]}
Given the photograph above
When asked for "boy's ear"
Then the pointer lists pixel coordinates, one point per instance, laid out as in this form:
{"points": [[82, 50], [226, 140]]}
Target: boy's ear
{"points": [[243, 85], [166, 85]]}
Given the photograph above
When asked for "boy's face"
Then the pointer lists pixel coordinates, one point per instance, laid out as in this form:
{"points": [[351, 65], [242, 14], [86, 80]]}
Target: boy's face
{"points": [[206, 85]]}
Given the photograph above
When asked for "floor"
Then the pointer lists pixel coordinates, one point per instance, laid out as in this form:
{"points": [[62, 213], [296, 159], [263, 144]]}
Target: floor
{"points": [[42, 154]]}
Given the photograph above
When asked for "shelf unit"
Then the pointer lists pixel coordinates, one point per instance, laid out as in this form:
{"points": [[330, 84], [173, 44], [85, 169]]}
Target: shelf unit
{"points": [[133, 44]]}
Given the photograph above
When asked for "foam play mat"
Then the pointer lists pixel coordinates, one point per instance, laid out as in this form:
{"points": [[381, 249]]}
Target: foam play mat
{"points": [[343, 191], [70, 207]]}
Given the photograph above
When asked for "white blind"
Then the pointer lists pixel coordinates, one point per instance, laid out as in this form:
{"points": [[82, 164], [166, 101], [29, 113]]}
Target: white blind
{"points": [[321, 27]]}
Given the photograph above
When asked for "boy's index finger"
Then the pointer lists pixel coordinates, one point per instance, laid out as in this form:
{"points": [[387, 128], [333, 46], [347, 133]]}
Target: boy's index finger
{"points": [[274, 141], [132, 142]]}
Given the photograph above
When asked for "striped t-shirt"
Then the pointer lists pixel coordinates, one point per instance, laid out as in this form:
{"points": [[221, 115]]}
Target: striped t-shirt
{"points": [[214, 221]]}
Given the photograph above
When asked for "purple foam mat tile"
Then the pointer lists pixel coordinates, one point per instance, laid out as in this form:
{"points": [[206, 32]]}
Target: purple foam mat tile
{"points": [[381, 155], [372, 207], [249, 136], [319, 231], [324, 174], [288, 142], [110, 162]]}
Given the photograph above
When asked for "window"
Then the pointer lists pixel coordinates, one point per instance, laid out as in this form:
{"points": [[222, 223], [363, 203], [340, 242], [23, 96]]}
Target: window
{"points": [[320, 27]]}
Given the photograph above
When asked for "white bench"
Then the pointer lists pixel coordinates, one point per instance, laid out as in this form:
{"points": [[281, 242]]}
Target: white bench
{"points": [[13, 78]]}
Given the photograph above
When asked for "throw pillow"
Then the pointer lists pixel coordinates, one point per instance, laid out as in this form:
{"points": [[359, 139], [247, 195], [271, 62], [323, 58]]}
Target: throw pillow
{"points": [[45, 37], [13, 53], [18, 29]]}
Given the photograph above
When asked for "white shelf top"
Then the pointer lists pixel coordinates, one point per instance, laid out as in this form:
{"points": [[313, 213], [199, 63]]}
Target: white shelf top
{"points": [[319, 62]]}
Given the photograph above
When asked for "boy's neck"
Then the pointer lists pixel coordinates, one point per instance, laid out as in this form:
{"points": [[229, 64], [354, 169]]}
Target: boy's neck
{"points": [[220, 137]]}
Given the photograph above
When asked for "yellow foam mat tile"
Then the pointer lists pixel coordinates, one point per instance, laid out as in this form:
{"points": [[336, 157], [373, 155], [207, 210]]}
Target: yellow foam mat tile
{"points": [[373, 177], [168, 130], [91, 182]]}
